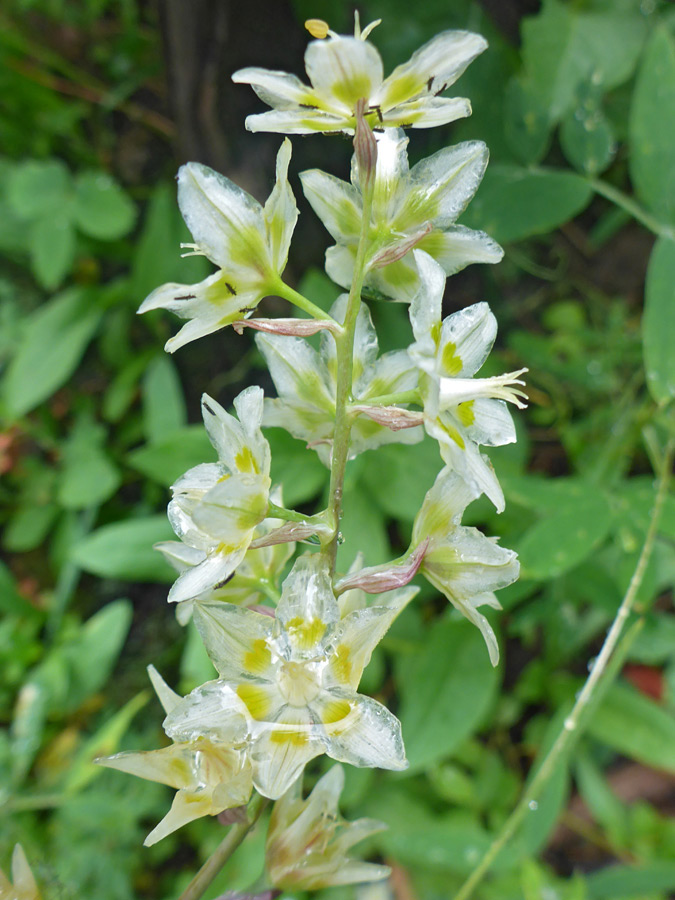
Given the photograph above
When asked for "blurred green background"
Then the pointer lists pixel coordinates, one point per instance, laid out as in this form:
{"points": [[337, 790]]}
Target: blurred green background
{"points": [[101, 101]]}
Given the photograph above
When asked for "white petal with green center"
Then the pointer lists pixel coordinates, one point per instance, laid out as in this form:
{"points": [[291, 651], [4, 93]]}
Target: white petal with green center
{"points": [[442, 185], [297, 370], [391, 173], [467, 337], [428, 112], [467, 563], [308, 605], [391, 373], [432, 68], [443, 506], [213, 711], [280, 212], [342, 71], [337, 203], [239, 443], [302, 121], [280, 754], [216, 568], [488, 422], [369, 736], [179, 555], [465, 458], [457, 247], [225, 221], [230, 510], [425, 312], [278, 89], [357, 636], [236, 639]]}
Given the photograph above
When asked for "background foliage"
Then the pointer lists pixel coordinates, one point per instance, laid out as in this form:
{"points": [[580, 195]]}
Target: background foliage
{"points": [[101, 102]]}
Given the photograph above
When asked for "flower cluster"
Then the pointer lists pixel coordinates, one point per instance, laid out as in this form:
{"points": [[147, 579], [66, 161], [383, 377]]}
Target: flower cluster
{"points": [[290, 648]]}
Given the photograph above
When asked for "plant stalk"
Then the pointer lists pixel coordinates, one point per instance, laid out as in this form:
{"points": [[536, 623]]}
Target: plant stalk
{"points": [[224, 851], [571, 729]]}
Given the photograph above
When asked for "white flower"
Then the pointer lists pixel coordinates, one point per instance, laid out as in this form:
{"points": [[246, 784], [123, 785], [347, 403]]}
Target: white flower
{"points": [[209, 777], [308, 840], [461, 562], [255, 579], [306, 383], [461, 412], [343, 70], [217, 506], [411, 208], [294, 677], [249, 243], [22, 886]]}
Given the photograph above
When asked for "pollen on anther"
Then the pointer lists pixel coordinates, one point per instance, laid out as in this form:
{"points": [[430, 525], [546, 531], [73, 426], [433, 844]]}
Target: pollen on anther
{"points": [[317, 28]]}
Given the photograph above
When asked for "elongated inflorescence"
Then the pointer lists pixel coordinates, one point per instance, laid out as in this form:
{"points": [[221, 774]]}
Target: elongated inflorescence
{"points": [[290, 649]]}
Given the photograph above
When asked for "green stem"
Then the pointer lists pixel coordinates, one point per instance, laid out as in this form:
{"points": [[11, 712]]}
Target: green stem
{"points": [[224, 851], [343, 392], [623, 201], [571, 729], [289, 515], [297, 299]]}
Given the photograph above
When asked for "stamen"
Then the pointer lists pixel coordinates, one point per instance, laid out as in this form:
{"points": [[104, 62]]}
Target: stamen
{"points": [[317, 28], [454, 391], [193, 251]]}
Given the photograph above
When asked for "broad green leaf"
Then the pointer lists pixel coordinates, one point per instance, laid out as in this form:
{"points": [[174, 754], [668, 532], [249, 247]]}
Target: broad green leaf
{"points": [[514, 203], [87, 477], [94, 653], [125, 551], [102, 209], [452, 843], [562, 540], [37, 188], [526, 122], [11, 601], [586, 136], [163, 402], [29, 526], [363, 528], [617, 882], [658, 324], [171, 457], [564, 45], [52, 249], [446, 687], [635, 726], [652, 126], [104, 742], [52, 345], [300, 473], [399, 476]]}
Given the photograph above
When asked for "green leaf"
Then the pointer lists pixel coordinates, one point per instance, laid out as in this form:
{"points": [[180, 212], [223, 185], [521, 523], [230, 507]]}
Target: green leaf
{"points": [[446, 686], [514, 203], [635, 726], [564, 46], [37, 188], [125, 551], [52, 345], [88, 477], [363, 529], [11, 601], [526, 123], [616, 882], [94, 653], [658, 324], [102, 209], [563, 540], [28, 526], [586, 136], [300, 472], [652, 127], [163, 402], [169, 458], [399, 476], [52, 249]]}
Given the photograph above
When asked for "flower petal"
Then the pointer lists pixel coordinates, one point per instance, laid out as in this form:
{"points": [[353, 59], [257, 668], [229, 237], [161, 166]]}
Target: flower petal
{"points": [[458, 246], [297, 370], [369, 736], [432, 68], [425, 310], [216, 568], [167, 697], [467, 337], [280, 754], [226, 222], [278, 89], [442, 185], [308, 605], [337, 203], [212, 710], [428, 112], [343, 70], [300, 121], [280, 212], [236, 640]]}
